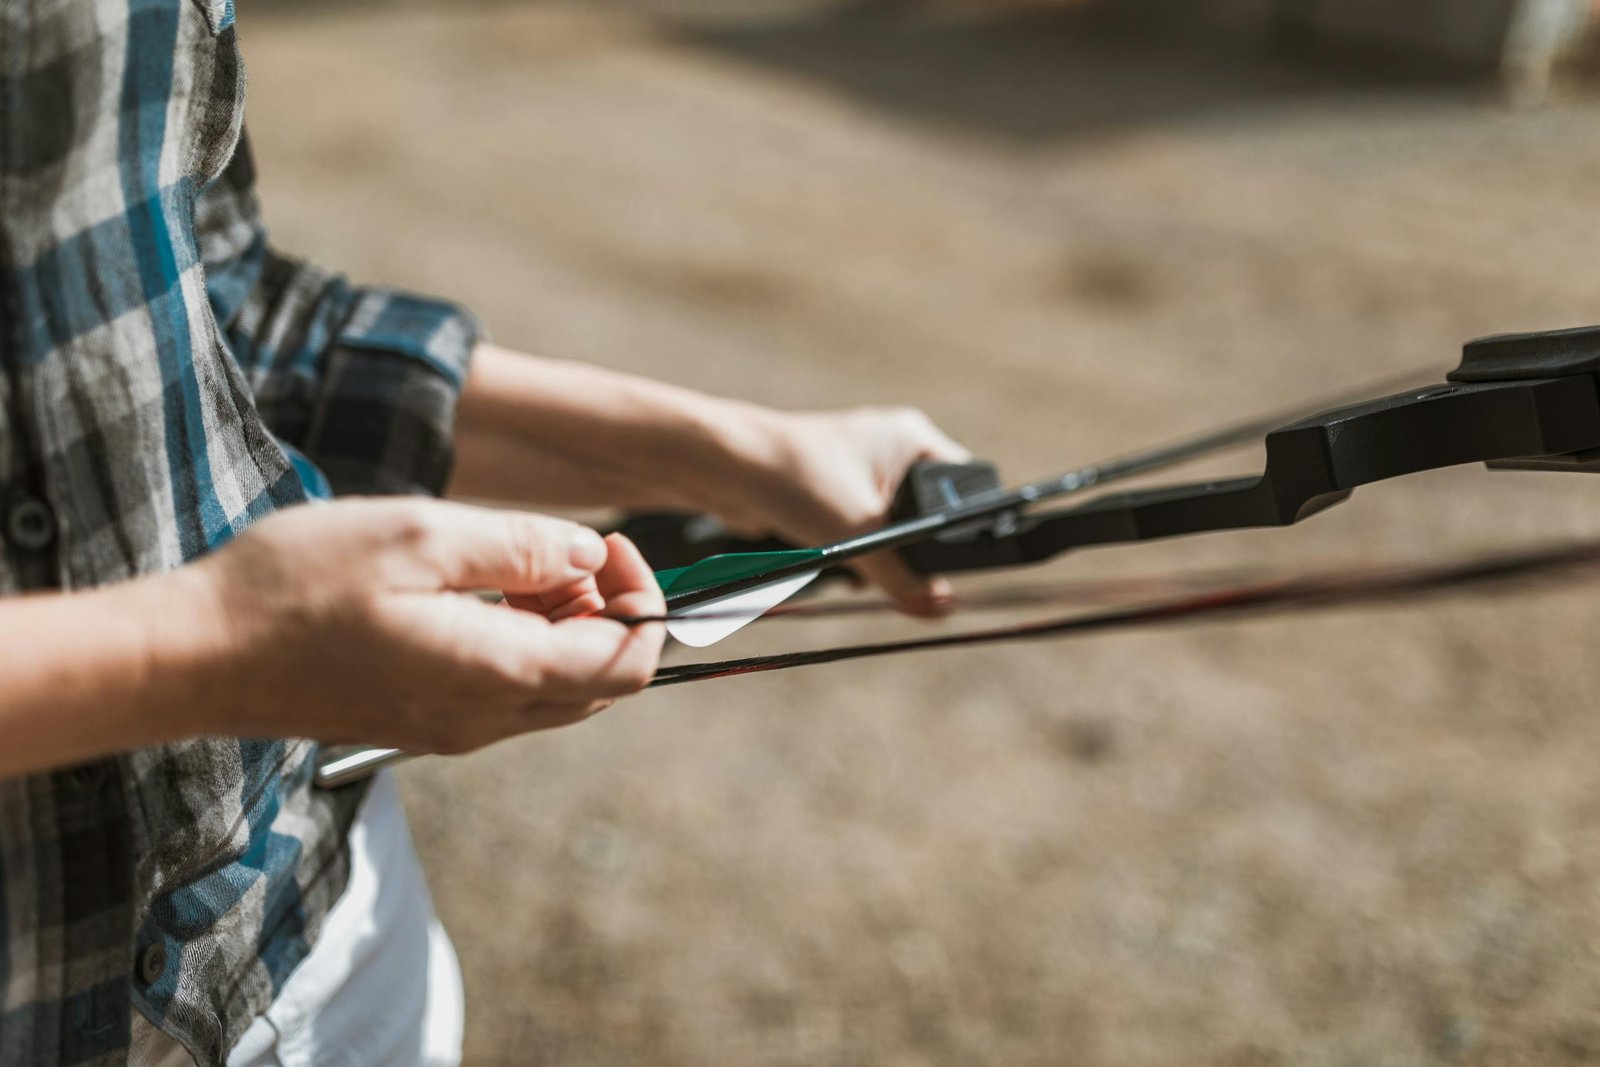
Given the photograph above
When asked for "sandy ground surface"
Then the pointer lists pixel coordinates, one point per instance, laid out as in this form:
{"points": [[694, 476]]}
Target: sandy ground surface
{"points": [[1368, 837]]}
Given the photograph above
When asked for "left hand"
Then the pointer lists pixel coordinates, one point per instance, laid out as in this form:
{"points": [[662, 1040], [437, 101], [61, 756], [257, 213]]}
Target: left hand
{"points": [[547, 431], [833, 474]]}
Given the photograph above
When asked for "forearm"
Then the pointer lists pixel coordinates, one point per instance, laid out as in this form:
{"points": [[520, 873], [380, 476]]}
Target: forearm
{"points": [[540, 430], [86, 674]]}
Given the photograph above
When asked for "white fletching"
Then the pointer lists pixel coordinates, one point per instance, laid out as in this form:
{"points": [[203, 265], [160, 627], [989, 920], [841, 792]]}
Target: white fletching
{"points": [[706, 624]]}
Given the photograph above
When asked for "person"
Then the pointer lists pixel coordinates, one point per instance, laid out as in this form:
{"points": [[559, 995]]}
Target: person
{"points": [[184, 620]]}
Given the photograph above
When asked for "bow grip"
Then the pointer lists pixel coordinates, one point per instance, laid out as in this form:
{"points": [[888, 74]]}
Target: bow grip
{"points": [[932, 486]]}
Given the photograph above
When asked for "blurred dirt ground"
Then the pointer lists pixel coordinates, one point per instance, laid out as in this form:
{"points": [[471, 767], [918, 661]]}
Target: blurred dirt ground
{"points": [[1361, 838]]}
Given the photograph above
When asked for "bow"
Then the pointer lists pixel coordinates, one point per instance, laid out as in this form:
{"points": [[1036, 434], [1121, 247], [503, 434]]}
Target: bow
{"points": [[1515, 402]]}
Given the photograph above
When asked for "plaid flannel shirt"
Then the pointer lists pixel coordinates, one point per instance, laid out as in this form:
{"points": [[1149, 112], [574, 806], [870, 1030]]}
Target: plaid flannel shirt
{"points": [[165, 380]]}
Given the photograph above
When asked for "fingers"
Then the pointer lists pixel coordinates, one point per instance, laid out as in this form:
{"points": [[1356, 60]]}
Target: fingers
{"points": [[630, 589], [935, 443], [588, 603], [627, 582], [928, 597], [625, 587], [518, 552], [575, 660], [597, 657], [579, 598], [582, 659], [915, 594]]}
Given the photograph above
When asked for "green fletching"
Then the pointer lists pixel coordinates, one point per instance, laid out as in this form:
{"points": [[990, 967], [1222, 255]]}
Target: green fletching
{"points": [[665, 578], [729, 567]]}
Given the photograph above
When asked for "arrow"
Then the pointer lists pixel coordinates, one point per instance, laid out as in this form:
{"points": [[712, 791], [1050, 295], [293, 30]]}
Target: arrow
{"points": [[740, 587], [714, 584]]}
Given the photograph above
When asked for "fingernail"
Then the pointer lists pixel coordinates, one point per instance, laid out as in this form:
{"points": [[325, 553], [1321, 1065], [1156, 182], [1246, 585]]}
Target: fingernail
{"points": [[587, 552]]}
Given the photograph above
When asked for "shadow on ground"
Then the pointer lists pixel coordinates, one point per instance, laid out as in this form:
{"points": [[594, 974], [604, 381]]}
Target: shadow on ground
{"points": [[1046, 73]]}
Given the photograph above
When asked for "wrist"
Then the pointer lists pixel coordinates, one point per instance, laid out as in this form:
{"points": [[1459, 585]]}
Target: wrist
{"points": [[748, 449], [184, 663], [124, 667]]}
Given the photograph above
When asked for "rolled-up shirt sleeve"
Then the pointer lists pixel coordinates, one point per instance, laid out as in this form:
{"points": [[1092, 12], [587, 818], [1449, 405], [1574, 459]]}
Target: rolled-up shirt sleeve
{"points": [[360, 380]]}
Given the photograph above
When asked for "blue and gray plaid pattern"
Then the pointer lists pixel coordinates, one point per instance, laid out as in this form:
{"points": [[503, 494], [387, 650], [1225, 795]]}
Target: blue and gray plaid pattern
{"points": [[160, 365]]}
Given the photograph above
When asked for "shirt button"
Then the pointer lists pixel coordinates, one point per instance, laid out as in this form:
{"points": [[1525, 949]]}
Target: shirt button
{"points": [[30, 525], [152, 963]]}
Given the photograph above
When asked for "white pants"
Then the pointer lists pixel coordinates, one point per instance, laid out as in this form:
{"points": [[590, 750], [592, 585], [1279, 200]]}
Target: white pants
{"points": [[381, 987]]}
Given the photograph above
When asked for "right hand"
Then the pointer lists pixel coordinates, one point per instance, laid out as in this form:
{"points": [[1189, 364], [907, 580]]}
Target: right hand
{"points": [[349, 622]]}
